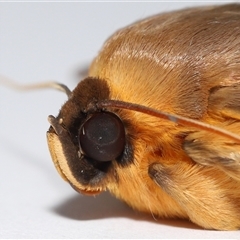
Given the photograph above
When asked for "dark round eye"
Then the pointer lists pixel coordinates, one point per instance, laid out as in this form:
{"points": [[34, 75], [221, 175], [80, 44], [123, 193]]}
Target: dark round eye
{"points": [[102, 137]]}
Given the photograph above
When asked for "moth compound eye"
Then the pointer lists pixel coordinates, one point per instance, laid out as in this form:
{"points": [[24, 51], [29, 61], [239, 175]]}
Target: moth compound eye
{"points": [[102, 137]]}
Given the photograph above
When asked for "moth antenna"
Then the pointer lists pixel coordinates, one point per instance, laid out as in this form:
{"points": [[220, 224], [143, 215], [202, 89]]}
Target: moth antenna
{"points": [[29, 87], [168, 116]]}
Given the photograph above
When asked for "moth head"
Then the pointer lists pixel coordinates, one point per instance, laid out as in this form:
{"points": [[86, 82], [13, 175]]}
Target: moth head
{"points": [[87, 142]]}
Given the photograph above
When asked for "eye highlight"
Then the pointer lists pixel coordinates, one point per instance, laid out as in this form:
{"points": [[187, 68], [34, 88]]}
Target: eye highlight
{"points": [[102, 137]]}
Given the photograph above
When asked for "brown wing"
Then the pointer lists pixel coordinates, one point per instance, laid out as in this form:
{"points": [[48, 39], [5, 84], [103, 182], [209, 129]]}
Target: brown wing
{"points": [[211, 149]]}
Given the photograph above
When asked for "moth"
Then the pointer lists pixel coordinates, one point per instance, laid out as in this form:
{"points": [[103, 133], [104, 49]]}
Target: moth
{"points": [[157, 121]]}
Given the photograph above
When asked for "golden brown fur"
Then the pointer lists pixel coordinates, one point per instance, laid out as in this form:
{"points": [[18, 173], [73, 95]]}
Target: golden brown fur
{"points": [[188, 63], [171, 62]]}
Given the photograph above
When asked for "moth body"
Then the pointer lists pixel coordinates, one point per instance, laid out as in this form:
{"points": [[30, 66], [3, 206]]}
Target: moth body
{"points": [[187, 63]]}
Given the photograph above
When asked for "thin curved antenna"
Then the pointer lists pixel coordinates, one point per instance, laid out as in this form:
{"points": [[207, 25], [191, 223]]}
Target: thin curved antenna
{"points": [[36, 86], [169, 116]]}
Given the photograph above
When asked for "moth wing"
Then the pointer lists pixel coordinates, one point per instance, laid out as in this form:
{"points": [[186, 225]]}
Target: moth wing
{"points": [[203, 192], [210, 149], [224, 102]]}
